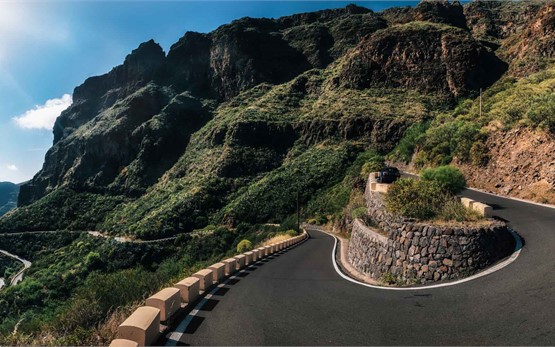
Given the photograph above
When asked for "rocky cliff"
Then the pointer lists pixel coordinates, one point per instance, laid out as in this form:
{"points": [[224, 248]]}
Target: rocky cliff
{"points": [[175, 141]]}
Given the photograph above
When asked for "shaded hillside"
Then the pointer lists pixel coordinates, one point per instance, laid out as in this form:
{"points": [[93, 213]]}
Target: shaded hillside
{"points": [[8, 197], [228, 125]]}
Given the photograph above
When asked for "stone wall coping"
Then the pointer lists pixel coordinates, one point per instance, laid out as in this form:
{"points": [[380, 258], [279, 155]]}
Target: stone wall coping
{"points": [[371, 232]]}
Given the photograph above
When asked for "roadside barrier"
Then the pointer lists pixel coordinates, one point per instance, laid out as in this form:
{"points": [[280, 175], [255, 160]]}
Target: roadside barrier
{"points": [[168, 301], [143, 328], [482, 209]]}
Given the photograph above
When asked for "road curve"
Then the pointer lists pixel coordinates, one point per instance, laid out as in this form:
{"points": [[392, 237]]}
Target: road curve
{"points": [[18, 277], [299, 299]]}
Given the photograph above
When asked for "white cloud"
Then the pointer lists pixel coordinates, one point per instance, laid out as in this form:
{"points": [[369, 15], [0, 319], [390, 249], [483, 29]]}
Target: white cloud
{"points": [[12, 167], [43, 116]]}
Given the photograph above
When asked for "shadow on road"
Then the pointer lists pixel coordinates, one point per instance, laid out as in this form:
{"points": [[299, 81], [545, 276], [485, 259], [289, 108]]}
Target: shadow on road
{"points": [[211, 303]]}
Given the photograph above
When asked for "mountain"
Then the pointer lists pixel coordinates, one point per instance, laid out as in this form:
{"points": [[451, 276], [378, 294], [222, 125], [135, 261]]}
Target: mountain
{"points": [[8, 197], [229, 125]]}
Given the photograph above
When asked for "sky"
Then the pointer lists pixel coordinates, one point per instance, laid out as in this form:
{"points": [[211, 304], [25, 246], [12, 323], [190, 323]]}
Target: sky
{"points": [[47, 48]]}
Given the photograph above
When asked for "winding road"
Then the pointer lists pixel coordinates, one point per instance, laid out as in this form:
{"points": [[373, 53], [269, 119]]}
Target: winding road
{"points": [[298, 298], [18, 277]]}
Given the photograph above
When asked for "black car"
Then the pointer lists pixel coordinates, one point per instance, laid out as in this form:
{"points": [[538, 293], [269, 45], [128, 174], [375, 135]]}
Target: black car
{"points": [[388, 175]]}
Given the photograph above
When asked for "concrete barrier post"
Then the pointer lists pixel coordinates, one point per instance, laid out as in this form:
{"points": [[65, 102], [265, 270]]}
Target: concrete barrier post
{"points": [[482, 209], [240, 261], [249, 257], [189, 289], [218, 272], [255, 255], [267, 250], [467, 202], [230, 266], [143, 326], [168, 301], [261, 252], [205, 278], [123, 343]]}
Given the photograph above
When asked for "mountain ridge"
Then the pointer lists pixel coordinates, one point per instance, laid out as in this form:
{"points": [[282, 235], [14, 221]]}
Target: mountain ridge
{"points": [[200, 124]]}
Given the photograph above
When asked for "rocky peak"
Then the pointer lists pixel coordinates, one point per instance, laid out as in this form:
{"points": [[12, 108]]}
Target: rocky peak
{"points": [[422, 56], [98, 93], [188, 64], [441, 12], [322, 16]]}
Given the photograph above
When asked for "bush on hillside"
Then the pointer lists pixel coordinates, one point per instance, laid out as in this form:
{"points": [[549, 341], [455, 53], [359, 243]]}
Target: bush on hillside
{"points": [[292, 232], [375, 163], [448, 178], [454, 210], [406, 147], [415, 198], [244, 246]]}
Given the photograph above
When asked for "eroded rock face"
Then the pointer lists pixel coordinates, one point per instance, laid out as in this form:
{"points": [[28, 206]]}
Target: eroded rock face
{"points": [[497, 20], [444, 12], [131, 127], [101, 92], [534, 48], [424, 57], [514, 168]]}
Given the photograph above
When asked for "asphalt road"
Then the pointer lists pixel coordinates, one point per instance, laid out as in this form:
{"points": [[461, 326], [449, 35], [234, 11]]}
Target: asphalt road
{"points": [[299, 299]]}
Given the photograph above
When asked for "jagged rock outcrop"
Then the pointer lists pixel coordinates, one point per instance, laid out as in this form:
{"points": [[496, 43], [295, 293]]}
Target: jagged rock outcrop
{"points": [[182, 135], [497, 20], [533, 48], [422, 56], [513, 168], [101, 92]]}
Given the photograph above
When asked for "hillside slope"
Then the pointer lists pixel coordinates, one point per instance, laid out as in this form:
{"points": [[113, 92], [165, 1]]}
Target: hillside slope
{"points": [[229, 125]]}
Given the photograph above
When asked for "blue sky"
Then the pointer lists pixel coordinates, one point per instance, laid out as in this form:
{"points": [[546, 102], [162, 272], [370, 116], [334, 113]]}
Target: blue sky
{"points": [[49, 47]]}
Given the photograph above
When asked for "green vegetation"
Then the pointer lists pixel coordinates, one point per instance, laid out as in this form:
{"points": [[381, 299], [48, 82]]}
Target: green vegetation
{"points": [[73, 274], [415, 198], [62, 209], [375, 163], [244, 246], [462, 133], [426, 200], [9, 266], [448, 178], [409, 143], [339, 201]]}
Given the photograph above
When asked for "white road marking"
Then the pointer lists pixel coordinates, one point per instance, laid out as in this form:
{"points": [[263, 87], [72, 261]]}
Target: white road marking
{"points": [[512, 198], [175, 336], [488, 271]]}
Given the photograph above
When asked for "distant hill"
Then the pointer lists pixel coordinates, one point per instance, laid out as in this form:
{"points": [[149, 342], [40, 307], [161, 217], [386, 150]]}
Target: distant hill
{"points": [[8, 197]]}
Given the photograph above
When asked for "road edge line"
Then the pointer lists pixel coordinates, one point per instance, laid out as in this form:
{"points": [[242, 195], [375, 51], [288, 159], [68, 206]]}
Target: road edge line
{"points": [[494, 268]]}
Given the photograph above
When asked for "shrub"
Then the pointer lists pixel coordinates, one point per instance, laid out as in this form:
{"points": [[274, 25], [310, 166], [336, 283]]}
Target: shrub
{"points": [[415, 198], [453, 210], [292, 232], [243, 246], [411, 139], [447, 140], [375, 163], [359, 212], [448, 178], [479, 154]]}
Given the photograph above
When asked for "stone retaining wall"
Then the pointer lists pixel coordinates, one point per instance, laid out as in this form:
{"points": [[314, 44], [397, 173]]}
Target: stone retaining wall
{"points": [[412, 252]]}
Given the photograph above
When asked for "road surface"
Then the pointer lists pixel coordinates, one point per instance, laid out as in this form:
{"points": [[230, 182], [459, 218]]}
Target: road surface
{"points": [[299, 299], [18, 277]]}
